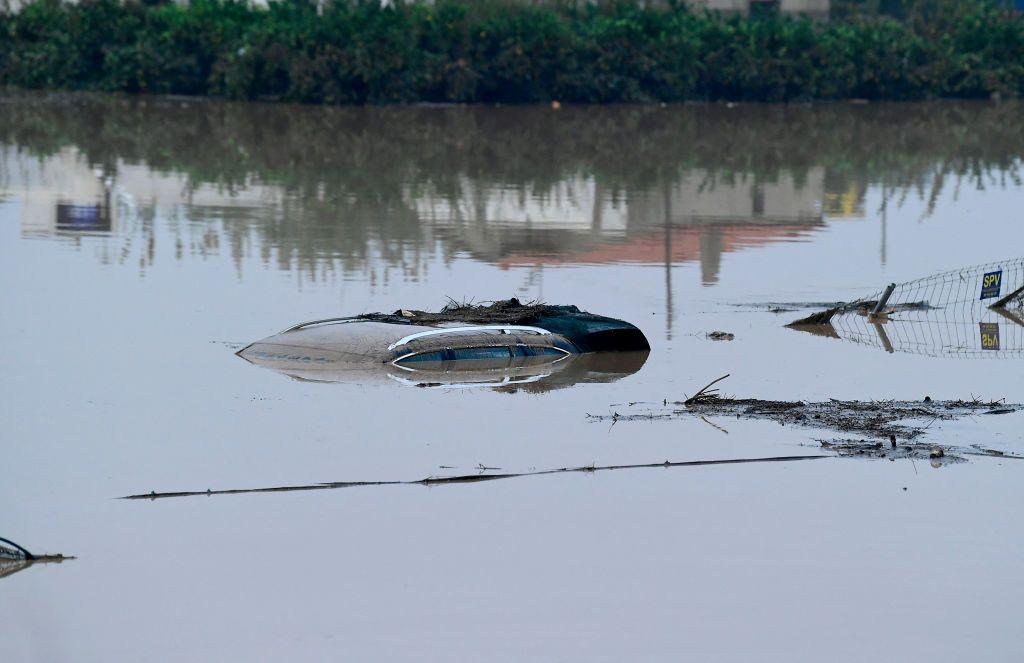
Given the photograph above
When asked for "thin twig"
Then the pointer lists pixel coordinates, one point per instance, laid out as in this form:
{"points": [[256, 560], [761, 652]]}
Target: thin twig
{"points": [[703, 392], [713, 425]]}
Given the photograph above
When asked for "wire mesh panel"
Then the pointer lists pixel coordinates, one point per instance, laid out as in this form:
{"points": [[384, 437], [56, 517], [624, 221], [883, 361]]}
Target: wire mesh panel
{"points": [[9, 553], [933, 333], [12, 560], [11, 566], [962, 291], [973, 312]]}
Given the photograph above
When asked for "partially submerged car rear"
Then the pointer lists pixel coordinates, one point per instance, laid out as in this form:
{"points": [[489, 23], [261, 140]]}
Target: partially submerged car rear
{"points": [[503, 335]]}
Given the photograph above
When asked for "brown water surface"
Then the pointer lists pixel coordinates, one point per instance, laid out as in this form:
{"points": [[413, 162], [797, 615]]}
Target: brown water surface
{"points": [[143, 241]]}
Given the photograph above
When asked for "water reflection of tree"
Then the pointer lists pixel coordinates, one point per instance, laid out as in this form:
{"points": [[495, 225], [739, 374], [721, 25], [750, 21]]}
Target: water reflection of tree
{"points": [[350, 176]]}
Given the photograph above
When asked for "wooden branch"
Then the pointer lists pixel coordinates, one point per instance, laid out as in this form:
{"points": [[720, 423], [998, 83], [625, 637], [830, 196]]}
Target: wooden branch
{"points": [[704, 393]]}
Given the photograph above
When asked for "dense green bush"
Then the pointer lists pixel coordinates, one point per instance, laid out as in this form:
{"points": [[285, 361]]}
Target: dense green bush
{"points": [[358, 51]]}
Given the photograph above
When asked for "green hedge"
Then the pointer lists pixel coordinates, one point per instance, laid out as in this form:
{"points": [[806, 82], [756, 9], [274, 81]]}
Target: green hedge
{"points": [[356, 51]]}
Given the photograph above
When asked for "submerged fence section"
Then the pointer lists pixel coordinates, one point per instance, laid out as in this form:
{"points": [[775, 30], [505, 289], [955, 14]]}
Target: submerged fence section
{"points": [[963, 290], [975, 312], [936, 334]]}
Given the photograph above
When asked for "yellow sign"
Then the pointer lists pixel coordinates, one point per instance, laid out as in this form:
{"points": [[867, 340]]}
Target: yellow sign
{"points": [[990, 284]]}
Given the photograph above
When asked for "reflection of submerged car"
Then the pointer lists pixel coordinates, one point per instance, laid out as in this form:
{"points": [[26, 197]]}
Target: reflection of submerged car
{"points": [[463, 345], [505, 374]]}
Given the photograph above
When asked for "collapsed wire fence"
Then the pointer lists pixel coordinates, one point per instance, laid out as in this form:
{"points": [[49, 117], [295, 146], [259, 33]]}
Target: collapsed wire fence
{"points": [[13, 557], [975, 311], [962, 292], [936, 336]]}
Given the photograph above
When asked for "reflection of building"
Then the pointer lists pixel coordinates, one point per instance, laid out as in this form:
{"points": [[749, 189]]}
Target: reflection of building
{"points": [[681, 244], [698, 217], [701, 198], [60, 194], [709, 216], [492, 223], [845, 204], [573, 204]]}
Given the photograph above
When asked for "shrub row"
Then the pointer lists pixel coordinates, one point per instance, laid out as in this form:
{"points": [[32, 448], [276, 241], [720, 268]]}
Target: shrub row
{"points": [[493, 51]]}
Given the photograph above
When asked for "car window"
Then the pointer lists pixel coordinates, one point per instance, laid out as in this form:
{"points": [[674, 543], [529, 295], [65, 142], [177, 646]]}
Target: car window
{"points": [[422, 357], [536, 351], [460, 354]]}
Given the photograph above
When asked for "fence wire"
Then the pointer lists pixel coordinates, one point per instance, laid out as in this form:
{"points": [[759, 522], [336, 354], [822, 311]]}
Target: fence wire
{"points": [[962, 290], [947, 314], [7, 553]]}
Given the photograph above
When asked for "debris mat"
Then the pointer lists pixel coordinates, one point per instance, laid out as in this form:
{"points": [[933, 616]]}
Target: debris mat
{"points": [[902, 420]]}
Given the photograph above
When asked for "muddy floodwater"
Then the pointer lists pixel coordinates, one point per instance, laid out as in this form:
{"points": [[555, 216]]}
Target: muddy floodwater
{"points": [[144, 241]]}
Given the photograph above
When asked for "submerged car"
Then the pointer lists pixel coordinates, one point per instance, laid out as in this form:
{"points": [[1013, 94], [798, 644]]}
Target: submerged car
{"points": [[501, 344]]}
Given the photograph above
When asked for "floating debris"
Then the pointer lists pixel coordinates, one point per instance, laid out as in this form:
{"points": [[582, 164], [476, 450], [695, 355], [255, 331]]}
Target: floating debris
{"points": [[938, 456], [883, 419], [860, 307], [720, 336], [787, 307], [879, 451]]}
